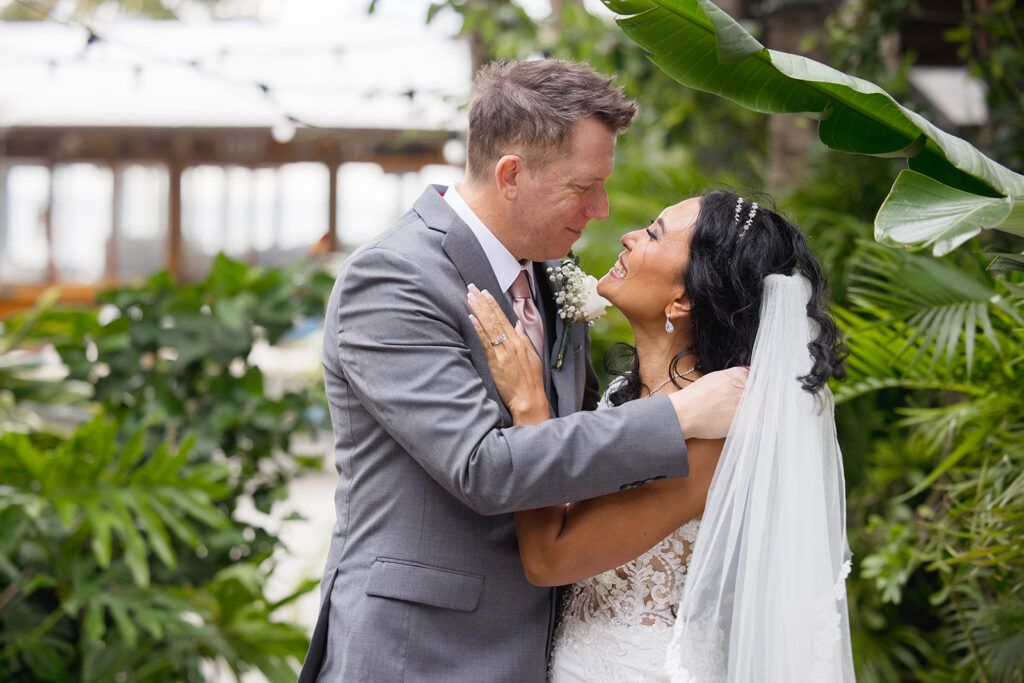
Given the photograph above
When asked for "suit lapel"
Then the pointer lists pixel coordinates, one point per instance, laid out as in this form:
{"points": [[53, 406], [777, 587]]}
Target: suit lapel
{"points": [[468, 257], [548, 314], [563, 380], [461, 246]]}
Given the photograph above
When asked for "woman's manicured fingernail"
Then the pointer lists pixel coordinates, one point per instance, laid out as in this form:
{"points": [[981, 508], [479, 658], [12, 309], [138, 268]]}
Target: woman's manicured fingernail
{"points": [[471, 295], [487, 295], [471, 287]]}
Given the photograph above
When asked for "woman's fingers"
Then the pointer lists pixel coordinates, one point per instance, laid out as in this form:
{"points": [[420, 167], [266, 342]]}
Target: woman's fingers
{"points": [[485, 320], [514, 366], [489, 315], [484, 340], [497, 322], [521, 331]]}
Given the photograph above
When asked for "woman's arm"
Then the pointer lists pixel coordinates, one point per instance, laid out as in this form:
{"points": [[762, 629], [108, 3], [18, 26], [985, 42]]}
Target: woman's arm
{"points": [[564, 544], [561, 544]]}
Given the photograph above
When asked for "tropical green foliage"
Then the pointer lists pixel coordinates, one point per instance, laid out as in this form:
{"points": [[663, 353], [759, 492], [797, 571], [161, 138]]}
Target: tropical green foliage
{"points": [[27, 401], [921, 211], [122, 558], [176, 357], [938, 511], [702, 47]]}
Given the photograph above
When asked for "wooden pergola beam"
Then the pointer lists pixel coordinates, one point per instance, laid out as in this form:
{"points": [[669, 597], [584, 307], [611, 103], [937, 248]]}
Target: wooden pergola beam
{"points": [[396, 150]]}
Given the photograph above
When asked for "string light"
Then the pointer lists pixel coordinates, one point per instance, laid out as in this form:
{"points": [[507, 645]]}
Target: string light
{"points": [[286, 119]]}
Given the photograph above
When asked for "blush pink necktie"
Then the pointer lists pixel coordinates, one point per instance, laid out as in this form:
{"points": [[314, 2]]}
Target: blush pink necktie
{"points": [[522, 304]]}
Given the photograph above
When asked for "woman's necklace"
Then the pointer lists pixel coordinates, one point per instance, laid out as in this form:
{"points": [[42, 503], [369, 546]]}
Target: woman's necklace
{"points": [[671, 377]]}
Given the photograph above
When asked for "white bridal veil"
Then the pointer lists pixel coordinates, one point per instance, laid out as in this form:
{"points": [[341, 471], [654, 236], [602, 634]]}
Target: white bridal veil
{"points": [[765, 596]]}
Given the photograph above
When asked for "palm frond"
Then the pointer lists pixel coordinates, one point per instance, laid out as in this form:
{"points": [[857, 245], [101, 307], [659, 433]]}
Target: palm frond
{"points": [[876, 361], [934, 307]]}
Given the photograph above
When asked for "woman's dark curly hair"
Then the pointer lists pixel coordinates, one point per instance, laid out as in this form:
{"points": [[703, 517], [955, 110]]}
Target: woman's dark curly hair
{"points": [[725, 281]]}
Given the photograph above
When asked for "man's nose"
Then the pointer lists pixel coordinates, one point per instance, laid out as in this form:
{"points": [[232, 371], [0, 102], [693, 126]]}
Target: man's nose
{"points": [[597, 205]]}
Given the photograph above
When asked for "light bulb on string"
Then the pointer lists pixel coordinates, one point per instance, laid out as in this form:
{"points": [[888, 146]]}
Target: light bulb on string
{"points": [[284, 130]]}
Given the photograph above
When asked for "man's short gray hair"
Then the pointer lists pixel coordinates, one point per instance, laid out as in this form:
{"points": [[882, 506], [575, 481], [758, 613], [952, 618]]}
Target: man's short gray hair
{"points": [[531, 108]]}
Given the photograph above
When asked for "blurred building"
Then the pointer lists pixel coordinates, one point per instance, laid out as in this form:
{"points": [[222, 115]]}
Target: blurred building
{"points": [[133, 146]]}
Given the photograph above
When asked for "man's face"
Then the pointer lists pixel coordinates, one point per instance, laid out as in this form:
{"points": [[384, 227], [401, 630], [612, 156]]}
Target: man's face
{"points": [[556, 202]]}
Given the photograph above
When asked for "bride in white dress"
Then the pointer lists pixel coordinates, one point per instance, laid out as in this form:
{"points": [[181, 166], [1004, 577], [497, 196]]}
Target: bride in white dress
{"points": [[708, 277]]}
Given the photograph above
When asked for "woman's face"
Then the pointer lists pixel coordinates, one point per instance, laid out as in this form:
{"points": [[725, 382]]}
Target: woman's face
{"points": [[648, 275]]}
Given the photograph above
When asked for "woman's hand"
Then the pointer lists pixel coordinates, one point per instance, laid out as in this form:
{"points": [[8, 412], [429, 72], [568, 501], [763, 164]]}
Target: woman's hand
{"points": [[515, 366]]}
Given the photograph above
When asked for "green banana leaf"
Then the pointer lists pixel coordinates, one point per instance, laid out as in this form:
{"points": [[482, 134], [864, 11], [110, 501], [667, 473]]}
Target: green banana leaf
{"points": [[921, 211], [944, 200]]}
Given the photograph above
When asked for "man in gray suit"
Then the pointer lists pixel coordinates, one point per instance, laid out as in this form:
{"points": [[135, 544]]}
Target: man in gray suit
{"points": [[423, 581]]}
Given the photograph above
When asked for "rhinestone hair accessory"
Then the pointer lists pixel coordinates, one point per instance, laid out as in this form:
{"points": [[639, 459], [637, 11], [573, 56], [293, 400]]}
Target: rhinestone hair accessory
{"points": [[750, 216]]}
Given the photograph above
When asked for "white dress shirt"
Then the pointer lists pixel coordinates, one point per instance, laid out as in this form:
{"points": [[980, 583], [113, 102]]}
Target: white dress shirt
{"points": [[506, 267]]}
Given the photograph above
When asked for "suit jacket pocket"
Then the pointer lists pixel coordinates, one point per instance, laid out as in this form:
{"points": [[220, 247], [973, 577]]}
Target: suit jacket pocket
{"points": [[414, 582]]}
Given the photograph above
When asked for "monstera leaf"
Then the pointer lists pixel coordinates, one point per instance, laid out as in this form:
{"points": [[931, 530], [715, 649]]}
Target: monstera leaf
{"points": [[952, 192]]}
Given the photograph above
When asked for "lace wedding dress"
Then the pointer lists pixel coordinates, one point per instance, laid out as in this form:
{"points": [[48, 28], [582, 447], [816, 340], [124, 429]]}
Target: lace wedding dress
{"points": [[765, 569], [616, 626]]}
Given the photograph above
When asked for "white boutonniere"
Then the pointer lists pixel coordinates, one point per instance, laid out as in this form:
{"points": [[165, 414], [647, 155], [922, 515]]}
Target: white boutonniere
{"points": [[577, 299]]}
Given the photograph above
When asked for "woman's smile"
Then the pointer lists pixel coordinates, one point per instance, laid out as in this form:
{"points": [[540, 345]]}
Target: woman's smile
{"points": [[619, 270]]}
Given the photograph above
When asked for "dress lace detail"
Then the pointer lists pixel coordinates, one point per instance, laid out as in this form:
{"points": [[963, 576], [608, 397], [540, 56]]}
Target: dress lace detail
{"points": [[643, 592], [616, 626]]}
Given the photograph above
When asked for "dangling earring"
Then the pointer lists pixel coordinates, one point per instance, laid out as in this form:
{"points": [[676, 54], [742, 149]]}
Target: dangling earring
{"points": [[669, 327]]}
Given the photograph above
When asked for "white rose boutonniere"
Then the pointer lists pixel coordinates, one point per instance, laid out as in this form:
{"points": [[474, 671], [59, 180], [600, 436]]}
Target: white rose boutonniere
{"points": [[577, 299], [594, 304]]}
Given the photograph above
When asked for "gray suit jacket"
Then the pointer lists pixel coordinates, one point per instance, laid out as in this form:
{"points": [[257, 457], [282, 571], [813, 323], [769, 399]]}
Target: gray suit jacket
{"points": [[423, 581]]}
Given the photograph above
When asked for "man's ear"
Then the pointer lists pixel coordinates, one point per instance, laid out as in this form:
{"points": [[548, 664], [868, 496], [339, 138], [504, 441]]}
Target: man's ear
{"points": [[506, 176]]}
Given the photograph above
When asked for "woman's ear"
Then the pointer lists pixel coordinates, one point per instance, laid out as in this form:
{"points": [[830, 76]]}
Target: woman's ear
{"points": [[679, 307], [506, 176]]}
